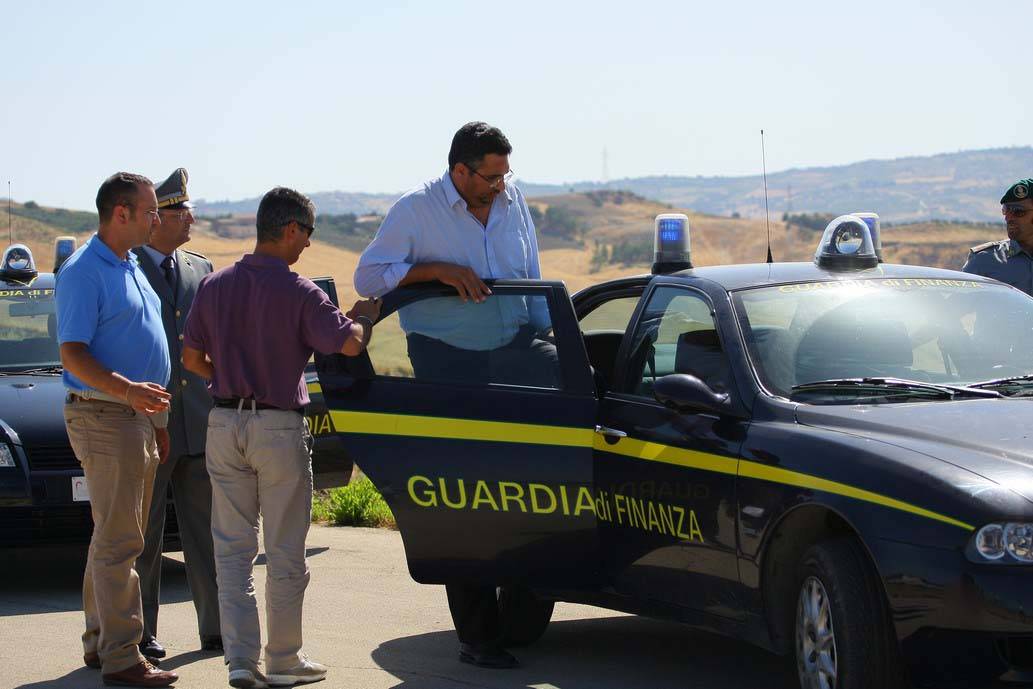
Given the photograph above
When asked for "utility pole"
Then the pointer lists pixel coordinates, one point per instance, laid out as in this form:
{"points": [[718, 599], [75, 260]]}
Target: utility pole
{"points": [[606, 167]]}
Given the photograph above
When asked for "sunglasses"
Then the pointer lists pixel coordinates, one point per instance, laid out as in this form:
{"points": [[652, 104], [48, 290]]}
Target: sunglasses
{"points": [[1015, 211]]}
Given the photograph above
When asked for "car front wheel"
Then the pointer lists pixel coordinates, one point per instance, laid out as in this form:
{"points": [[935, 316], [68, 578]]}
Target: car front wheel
{"points": [[844, 639]]}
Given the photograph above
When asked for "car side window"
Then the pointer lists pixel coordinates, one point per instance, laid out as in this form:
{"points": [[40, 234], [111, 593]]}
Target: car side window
{"points": [[611, 315], [506, 340], [676, 334]]}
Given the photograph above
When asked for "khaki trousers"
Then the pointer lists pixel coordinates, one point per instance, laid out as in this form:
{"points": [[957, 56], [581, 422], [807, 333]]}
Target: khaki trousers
{"points": [[260, 464], [117, 449]]}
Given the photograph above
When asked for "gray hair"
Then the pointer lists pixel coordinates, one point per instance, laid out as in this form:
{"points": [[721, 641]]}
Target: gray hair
{"points": [[280, 207]]}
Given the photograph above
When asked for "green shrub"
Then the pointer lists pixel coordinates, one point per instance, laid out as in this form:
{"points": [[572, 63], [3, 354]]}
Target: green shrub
{"points": [[357, 504]]}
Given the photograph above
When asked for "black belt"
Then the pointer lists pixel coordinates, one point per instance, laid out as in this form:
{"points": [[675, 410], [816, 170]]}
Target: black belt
{"points": [[234, 402]]}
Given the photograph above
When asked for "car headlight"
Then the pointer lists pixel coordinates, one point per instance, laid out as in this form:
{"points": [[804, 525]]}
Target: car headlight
{"points": [[6, 458], [994, 541]]}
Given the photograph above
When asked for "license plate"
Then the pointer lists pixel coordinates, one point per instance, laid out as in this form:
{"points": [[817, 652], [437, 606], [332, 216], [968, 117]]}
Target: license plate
{"points": [[80, 492]]}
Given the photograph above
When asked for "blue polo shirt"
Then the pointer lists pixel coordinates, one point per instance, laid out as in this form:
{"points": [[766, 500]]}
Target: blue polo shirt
{"points": [[108, 304]]}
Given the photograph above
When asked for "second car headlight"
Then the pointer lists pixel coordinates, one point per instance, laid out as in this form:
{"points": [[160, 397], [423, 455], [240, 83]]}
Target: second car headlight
{"points": [[6, 458], [1018, 540], [992, 542]]}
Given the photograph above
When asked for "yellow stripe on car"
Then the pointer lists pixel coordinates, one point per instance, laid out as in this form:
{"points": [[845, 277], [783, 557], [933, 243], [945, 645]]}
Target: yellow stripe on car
{"points": [[460, 429], [564, 436]]}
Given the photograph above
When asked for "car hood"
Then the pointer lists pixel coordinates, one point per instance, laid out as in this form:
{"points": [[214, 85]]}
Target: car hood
{"points": [[32, 406], [992, 438]]}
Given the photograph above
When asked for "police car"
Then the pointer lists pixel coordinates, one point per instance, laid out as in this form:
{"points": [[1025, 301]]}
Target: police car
{"points": [[44, 497], [831, 460]]}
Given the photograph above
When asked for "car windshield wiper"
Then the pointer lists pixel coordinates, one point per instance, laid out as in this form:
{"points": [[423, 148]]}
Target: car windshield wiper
{"points": [[896, 387], [41, 371], [1013, 381]]}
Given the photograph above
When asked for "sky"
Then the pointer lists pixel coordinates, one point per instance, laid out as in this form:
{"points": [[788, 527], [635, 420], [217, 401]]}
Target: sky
{"points": [[366, 96]]}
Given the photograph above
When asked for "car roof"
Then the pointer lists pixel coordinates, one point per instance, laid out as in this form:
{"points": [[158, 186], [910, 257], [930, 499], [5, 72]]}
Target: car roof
{"points": [[736, 277], [41, 281]]}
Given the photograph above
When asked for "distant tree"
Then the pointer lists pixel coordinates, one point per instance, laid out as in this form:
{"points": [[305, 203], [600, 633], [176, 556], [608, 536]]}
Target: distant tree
{"points": [[631, 251], [536, 214], [31, 205], [561, 222], [735, 214], [816, 222]]}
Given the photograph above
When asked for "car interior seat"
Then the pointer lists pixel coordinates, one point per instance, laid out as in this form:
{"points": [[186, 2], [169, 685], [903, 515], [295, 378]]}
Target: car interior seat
{"points": [[841, 345], [601, 347], [698, 353]]}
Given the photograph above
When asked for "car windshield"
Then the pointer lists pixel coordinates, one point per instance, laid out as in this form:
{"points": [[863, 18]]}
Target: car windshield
{"points": [[28, 329], [884, 334]]}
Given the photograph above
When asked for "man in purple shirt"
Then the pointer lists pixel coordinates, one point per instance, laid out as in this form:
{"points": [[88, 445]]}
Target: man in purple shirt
{"points": [[251, 330]]}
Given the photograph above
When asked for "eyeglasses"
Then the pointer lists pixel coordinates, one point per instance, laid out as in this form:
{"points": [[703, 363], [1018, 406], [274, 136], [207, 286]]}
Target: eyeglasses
{"points": [[153, 212], [494, 180], [308, 228], [182, 214], [1015, 211]]}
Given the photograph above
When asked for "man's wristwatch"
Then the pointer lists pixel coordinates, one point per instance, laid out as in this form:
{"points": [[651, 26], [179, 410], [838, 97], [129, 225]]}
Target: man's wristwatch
{"points": [[366, 319]]}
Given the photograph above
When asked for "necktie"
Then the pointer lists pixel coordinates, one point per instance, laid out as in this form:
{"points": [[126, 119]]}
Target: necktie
{"points": [[170, 274]]}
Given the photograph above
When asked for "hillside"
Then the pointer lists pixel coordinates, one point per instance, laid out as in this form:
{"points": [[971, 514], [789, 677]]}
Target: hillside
{"points": [[573, 230], [951, 186], [965, 185]]}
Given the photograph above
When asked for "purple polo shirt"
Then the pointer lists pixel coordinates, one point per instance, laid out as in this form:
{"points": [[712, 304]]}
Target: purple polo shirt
{"points": [[259, 324]]}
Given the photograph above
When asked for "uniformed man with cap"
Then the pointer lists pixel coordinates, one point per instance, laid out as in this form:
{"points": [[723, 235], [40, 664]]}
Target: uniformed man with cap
{"points": [[175, 274], [1010, 260]]}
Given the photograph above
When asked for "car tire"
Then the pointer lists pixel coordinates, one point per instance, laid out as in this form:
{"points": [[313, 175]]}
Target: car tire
{"points": [[842, 632], [523, 616]]}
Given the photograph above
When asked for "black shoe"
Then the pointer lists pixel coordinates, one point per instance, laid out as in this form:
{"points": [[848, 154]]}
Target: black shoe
{"points": [[151, 648], [488, 655], [211, 643]]}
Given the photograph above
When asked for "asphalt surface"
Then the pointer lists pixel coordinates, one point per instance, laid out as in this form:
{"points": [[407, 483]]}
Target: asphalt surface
{"points": [[373, 626]]}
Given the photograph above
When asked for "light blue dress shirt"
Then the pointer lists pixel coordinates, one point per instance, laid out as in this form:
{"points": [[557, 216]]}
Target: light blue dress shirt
{"points": [[433, 224], [107, 303]]}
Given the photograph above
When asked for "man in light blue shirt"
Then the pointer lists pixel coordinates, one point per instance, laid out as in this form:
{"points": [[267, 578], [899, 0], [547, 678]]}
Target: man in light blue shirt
{"points": [[467, 226], [463, 227]]}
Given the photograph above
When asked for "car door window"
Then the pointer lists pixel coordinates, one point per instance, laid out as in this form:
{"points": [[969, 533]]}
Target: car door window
{"points": [[676, 334], [506, 340], [611, 315]]}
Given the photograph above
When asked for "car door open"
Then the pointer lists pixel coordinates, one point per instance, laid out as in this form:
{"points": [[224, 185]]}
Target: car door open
{"points": [[476, 422]]}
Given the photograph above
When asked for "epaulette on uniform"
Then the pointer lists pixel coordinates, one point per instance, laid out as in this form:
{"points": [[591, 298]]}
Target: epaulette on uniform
{"points": [[194, 253], [987, 245]]}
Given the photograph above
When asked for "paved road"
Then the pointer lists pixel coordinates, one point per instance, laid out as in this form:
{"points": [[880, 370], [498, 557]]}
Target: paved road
{"points": [[374, 627]]}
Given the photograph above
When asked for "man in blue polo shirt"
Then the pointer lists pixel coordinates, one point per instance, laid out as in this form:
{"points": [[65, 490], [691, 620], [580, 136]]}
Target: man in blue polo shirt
{"points": [[116, 364]]}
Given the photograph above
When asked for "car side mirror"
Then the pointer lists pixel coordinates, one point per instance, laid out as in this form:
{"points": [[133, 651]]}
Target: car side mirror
{"points": [[682, 392]]}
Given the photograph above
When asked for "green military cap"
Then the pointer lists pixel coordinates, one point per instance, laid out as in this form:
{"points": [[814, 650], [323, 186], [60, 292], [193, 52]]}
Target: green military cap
{"points": [[172, 193], [1019, 191]]}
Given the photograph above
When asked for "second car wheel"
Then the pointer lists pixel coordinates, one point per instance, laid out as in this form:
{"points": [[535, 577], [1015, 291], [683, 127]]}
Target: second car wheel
{"points": [[523, 616], [843, 634]]}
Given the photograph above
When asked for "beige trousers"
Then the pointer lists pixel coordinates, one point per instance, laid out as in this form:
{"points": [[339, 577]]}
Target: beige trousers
{"points": [[260, 464], [116, 447]]}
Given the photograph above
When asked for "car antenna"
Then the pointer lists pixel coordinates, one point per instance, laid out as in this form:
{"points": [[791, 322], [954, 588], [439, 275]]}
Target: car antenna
{"points": [[10, 221], [767, 214]]}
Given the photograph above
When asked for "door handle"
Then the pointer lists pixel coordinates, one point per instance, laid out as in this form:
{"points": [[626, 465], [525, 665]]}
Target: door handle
{"points": [[610, 432]]}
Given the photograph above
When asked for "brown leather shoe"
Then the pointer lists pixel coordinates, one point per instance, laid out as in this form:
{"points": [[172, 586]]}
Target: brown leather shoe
{"points": [[91, 660], [143, 674]]}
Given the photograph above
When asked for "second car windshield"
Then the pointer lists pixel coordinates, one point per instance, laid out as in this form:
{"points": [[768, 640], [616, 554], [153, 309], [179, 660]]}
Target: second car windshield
{"points": [[951, 332], [28, 330]]}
